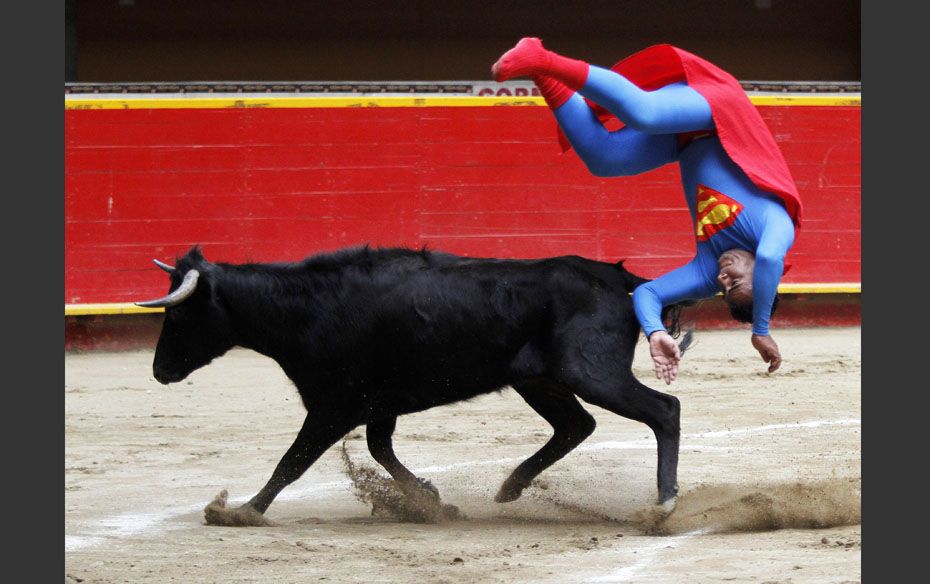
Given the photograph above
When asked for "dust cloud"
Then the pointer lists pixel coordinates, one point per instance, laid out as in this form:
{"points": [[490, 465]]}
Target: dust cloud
{"points": [[748, 508], [388, 500]]}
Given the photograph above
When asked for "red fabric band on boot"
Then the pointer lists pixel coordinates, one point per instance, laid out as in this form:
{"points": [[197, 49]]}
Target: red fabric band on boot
{"points": [[571, 72], [553, 91]]}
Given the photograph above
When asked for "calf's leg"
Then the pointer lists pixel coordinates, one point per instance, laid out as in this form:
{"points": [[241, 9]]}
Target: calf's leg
{"points": [[381, 447], [320, 430], [571, 425], [422, 502], [626, 396]]}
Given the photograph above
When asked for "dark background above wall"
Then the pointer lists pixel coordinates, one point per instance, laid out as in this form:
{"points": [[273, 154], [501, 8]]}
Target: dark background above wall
{"points": [[200, 40]]}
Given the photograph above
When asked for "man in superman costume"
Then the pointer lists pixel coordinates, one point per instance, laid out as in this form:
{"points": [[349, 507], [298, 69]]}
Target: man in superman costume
{"points": [[664, 105]]}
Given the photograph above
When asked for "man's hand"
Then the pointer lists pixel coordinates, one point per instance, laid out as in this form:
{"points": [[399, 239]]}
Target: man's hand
{"points": [[665, 355], [769, 351]]}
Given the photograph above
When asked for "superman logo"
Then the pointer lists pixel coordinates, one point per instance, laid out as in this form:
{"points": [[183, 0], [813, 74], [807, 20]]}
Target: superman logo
{"points": [[715, 212]]}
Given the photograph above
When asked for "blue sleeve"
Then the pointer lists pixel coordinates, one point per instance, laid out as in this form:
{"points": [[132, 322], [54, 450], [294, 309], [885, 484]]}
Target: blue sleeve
{"points": [[770, 262], [622, 153], [670, 109], [689, 282]]}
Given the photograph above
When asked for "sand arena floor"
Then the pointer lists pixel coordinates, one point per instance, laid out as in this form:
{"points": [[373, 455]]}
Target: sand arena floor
{"points": [[769, 473]]}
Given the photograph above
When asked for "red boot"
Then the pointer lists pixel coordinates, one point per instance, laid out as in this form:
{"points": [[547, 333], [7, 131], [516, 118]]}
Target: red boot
{"points": [[529, 57]]}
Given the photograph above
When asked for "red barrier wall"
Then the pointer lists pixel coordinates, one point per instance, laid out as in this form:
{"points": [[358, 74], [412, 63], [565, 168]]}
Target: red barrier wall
{"points": [[276, 184]]}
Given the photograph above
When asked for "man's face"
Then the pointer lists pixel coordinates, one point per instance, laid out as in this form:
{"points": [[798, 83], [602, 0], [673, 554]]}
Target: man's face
{"points": [[735, 276]]}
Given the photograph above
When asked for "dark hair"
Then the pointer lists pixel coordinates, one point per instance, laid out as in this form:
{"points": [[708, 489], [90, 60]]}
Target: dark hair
{"points": [[671, 317], [742, 312]]}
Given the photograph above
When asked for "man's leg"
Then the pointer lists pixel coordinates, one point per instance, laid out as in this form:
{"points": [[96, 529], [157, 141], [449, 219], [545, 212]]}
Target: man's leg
{"points": [[621, 153], [671, 109]]}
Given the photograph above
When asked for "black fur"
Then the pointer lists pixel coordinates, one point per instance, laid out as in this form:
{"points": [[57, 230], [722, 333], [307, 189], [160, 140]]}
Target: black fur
{"points": [[367, 335]]}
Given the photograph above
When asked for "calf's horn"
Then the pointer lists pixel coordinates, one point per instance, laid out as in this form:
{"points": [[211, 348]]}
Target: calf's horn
{"points": [[164, 266], [187, 287]]}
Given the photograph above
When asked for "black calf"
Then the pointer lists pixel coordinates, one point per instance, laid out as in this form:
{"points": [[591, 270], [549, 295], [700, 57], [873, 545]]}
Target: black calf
{"points": [[368, 335]]}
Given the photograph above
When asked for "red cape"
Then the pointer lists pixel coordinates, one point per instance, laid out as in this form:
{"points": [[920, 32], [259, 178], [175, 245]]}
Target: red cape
{"points": [[743, 133]]}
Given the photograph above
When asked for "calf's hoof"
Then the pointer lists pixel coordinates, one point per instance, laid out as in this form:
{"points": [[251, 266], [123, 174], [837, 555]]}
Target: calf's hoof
{"points": [[665, 508], [217, 513], [510, 491], [428, 487]]}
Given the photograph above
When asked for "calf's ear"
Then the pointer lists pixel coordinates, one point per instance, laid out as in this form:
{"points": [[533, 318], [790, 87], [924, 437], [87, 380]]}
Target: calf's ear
{"points": [[195, 254]]}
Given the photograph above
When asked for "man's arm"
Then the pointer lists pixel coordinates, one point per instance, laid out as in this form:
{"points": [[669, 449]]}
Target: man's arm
{"points": [[769, 265], [689, 282]]}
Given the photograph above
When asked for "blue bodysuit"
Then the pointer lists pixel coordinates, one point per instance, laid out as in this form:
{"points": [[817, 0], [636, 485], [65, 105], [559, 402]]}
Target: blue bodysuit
{"points": [[727, 209]]}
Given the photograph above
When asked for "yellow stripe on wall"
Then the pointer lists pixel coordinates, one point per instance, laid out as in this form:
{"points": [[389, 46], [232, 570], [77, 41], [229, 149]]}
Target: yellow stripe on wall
{"points": [[110, 308], [186, 101], [835, 288]]}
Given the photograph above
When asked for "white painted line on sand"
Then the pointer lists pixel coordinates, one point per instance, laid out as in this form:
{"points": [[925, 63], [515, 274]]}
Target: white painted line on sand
{"points": [[645, 557], [130, 524], [771, 427], [650, 442]]}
